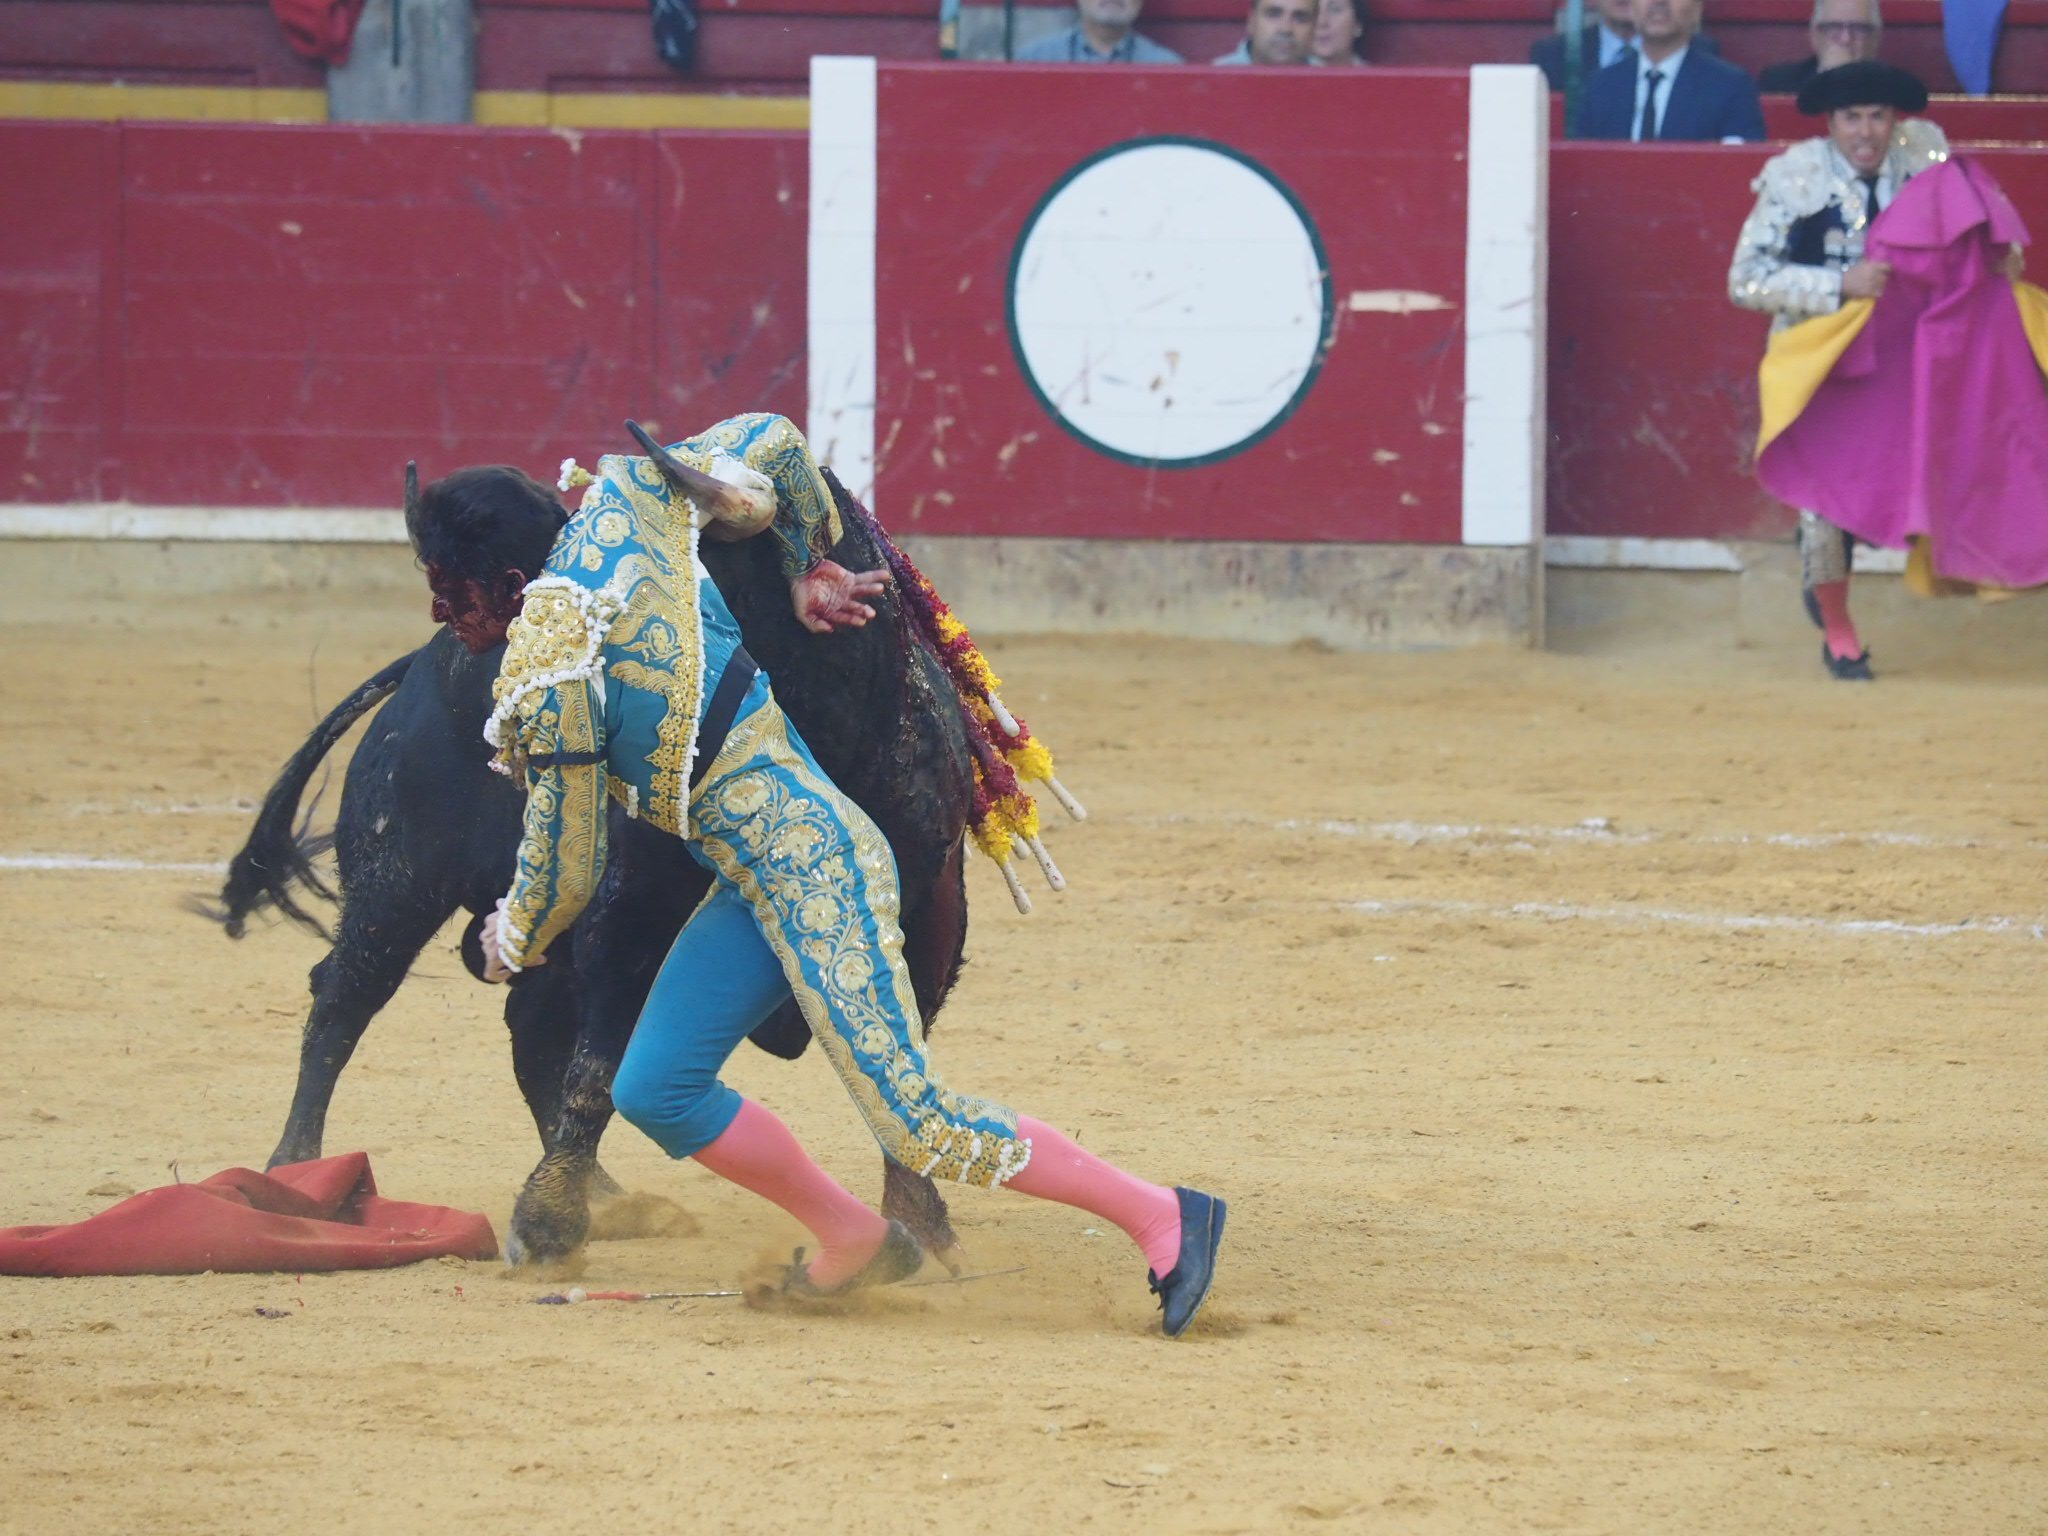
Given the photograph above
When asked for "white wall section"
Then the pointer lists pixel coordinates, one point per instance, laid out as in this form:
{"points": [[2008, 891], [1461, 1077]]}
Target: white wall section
{"points": [[1506, 235], [840, 420]]}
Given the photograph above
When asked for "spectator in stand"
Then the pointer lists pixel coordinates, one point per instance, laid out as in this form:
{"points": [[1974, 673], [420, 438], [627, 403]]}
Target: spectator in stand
{"points": [[1339, 25], [1668, 89], [1843, 31], [1103, 33], [1600, 44], [1276, 32]]}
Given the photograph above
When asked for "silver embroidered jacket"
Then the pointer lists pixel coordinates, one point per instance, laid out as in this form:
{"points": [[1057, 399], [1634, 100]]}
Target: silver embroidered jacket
{"points": [[1810, 221]]}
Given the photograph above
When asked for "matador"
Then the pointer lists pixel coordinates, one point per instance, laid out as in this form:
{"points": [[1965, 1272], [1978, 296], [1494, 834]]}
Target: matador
{"points": [[622, 665]]}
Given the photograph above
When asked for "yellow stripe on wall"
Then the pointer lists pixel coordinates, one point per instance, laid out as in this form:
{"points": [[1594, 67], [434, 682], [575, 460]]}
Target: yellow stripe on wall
{"points": [[493, 109], [609, 109], [173, 103]]}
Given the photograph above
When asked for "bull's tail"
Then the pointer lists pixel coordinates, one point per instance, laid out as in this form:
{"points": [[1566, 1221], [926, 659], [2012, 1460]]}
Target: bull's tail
{"points": [[275, 865]]}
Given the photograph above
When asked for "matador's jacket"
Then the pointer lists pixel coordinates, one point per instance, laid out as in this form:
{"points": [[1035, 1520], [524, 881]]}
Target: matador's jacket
{"points": [[1811, 217], [600, 696]]}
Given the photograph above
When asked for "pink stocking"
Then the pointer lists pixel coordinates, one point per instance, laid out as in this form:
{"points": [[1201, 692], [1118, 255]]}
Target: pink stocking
{"points": [[1060, 1170], [758, 1153], [1833, 599]]}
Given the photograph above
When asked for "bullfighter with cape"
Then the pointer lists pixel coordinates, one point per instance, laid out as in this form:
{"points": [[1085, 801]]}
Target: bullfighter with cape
{"points": [[624, 678], [1903, 392]]}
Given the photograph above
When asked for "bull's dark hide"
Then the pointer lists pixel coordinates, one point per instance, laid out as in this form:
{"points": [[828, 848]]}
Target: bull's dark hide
{"points": [[425, 830]]}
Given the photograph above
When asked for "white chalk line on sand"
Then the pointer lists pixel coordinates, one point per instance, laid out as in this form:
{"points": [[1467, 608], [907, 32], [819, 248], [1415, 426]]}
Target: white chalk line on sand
{"points": [[69, 863], [165, 808], [1553, 911], [1596, 831], [1547, 911]]}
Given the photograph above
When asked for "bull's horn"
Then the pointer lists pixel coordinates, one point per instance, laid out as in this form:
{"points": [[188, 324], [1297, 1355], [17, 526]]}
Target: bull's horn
{"points": [[412, 504], [725, 502]]}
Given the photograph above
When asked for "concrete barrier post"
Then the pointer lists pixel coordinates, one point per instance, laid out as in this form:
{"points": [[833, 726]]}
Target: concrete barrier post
{"points": [[414, 61]]}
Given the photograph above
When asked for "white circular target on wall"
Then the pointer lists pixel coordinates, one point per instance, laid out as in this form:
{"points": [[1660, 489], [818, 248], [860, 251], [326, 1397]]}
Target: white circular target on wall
{"points": [[1169, 302]]}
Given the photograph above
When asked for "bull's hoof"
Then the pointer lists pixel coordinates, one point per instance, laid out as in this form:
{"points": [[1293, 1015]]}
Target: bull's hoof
{"points": [[552, 1216], [915, 1201]]}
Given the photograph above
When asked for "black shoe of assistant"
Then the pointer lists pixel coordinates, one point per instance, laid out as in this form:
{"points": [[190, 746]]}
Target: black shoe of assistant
{"points": [[1182, 1292], [898, 1258], [1847, 669]]}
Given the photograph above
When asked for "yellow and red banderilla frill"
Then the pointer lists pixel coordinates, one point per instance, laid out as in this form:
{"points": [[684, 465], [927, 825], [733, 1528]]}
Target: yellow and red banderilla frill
{"points": [[1004, 820]]}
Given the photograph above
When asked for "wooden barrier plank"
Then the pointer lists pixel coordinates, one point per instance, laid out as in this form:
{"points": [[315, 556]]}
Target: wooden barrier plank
{"points": [[61, 356], [1373, 448]]}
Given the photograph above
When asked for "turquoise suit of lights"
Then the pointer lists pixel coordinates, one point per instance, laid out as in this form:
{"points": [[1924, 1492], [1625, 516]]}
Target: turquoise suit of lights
{"points": [[600, 696]]}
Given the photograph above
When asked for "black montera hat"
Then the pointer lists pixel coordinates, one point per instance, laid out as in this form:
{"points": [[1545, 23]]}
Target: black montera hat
{"points": [[1864, 83]]}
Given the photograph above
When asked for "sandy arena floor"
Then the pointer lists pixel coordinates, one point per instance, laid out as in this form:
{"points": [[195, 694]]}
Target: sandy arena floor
{"points": [[1626, 1071]]}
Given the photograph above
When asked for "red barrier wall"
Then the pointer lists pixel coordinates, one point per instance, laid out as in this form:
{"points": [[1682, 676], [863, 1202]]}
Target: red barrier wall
{"points": [[273, 316], [238, 315], [1652, 378], [1965, 119], [1374, 450], [60, 314]]}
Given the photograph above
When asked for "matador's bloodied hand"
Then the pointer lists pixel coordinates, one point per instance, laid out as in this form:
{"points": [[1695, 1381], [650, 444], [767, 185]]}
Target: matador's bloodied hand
{"points": [[829, 595], [495, 969]]}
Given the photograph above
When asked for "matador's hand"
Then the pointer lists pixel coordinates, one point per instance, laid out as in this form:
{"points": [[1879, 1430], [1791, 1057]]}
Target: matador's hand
{"points": [[2015, 263], [1866, 280], [829, 595], [495, 968]]}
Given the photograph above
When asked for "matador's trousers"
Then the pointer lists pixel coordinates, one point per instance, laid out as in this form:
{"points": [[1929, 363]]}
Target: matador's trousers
{"points": [[805, 904], [1823, 550]]}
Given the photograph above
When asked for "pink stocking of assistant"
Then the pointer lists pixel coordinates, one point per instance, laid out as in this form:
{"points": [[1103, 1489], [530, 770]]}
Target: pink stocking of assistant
{"points": [[1833, 599], [758, 1153], [1060, 1170]]}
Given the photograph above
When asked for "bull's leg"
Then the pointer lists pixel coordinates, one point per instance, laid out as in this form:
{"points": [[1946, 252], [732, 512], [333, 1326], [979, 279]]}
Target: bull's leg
{"points": [[541, 1014], [933, 939], [552, 1215], [373, 950], [619, 949]]}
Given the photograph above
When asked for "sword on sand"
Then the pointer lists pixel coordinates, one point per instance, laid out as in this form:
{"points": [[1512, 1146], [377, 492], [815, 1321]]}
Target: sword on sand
{"points": [[577, 1294]]}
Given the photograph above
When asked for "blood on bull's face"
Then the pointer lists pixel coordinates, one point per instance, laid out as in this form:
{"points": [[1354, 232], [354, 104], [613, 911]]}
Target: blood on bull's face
{"points": [[480, 534], [476, 612]]}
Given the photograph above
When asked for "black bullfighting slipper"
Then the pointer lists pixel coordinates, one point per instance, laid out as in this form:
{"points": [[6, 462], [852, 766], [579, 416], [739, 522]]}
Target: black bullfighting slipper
{"points": [[897, 1259], [1848, 669], [1182, 1292]]}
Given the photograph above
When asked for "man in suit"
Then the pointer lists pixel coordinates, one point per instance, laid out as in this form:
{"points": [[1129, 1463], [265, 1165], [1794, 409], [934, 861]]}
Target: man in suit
{"points": [[1667, 88], [1843, 31], [1600, 44]]}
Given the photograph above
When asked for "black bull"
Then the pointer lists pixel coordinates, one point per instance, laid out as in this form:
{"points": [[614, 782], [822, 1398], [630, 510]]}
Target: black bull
{"points": [[425, 828]]}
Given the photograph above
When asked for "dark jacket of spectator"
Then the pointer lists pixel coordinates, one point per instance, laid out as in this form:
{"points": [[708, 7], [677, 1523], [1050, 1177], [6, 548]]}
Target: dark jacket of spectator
{"points": [[1547, 53], [1787, 79], [1709, 99]]}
